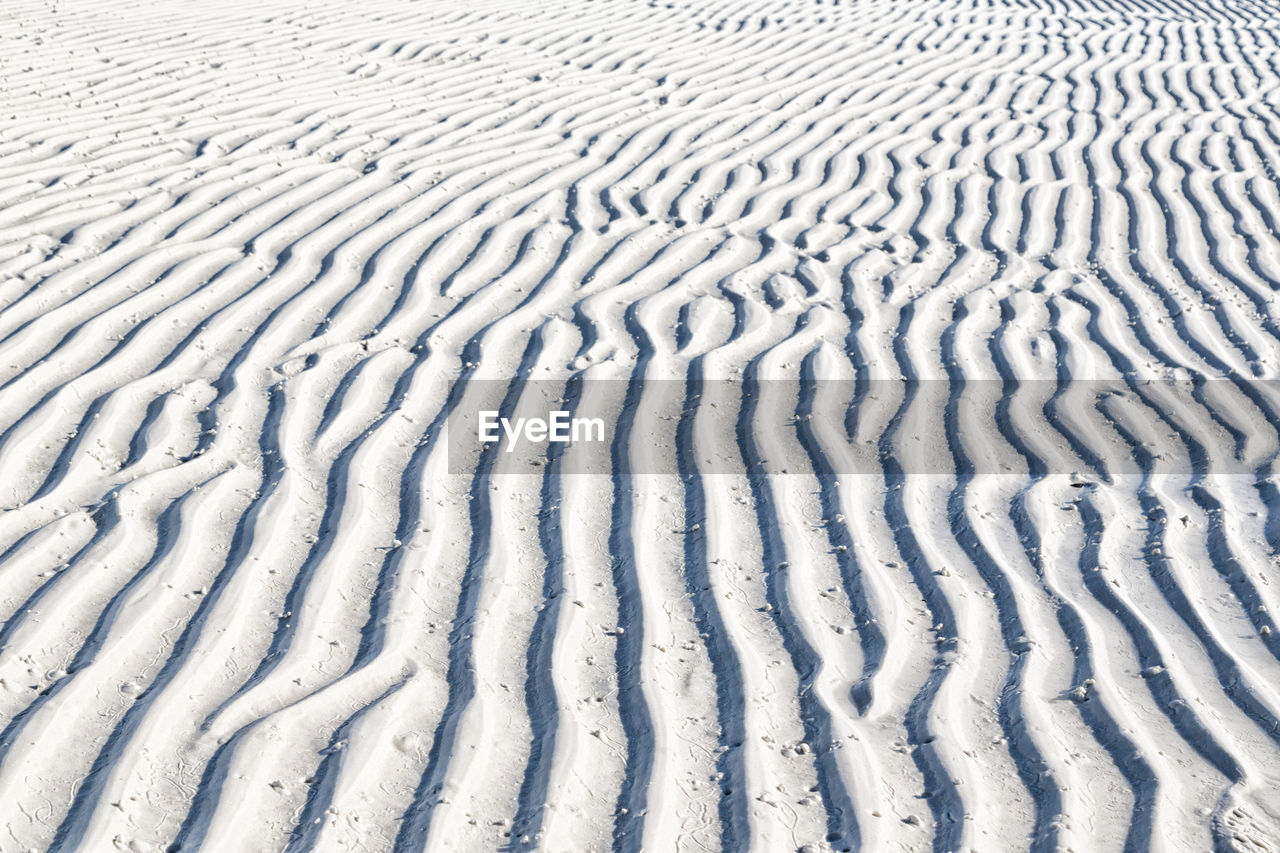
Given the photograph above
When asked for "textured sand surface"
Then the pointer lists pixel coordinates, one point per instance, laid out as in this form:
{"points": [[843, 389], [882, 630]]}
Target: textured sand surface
{"points": [[249, 250]]}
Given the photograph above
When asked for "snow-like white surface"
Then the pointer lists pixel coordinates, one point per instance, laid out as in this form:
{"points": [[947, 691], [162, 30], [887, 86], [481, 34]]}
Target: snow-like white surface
{"points": [[248, 250]]}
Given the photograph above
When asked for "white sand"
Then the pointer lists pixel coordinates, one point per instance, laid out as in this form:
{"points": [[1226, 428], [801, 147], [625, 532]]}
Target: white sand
{"points": [[250, 602]]}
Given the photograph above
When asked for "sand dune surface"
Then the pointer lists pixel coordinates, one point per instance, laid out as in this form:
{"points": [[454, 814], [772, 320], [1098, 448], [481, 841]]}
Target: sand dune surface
{"points": [[935, 349]]}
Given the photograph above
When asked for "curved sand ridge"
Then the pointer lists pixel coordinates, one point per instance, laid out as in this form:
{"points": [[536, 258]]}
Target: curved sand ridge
{"points": [[247, 254]]}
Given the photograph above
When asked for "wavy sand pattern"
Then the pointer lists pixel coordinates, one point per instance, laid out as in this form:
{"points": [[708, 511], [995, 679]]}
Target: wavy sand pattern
{"points": [[249, 250]]}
